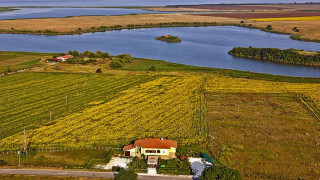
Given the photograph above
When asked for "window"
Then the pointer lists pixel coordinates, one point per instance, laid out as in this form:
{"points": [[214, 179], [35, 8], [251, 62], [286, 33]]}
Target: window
{"points": [[164, 151], [158, 151]]}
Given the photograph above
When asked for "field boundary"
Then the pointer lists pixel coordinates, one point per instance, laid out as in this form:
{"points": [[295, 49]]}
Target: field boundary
{"points": [[309, 104]]}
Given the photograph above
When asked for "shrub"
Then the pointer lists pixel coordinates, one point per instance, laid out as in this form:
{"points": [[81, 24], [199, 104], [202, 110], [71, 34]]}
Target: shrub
{"points": [[152, 68], [116, 64], [138, 163], [126, 175], [126, 58], [220, 172], [269, 27], [99, 70]]}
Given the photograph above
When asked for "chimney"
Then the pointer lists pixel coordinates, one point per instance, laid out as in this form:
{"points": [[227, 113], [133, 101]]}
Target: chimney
{"points": [[161, 139]]}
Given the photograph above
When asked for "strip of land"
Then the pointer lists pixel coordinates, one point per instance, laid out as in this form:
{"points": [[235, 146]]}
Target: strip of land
{"points": [[308, 30]]}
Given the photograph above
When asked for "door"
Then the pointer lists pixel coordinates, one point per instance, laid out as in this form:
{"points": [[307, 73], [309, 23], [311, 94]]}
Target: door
{"points": [[127, 153]]}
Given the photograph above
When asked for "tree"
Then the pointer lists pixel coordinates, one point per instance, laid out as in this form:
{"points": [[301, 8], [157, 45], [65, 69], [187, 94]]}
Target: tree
{"points": [[152, 68], [99, 70], [105, 55], [126, 175], [99, 54], [115, 64], [269, 27], [221, 173], [63, 54]]}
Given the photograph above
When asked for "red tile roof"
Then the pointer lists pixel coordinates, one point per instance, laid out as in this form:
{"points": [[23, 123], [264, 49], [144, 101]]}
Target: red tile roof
{"points": [[155, 143], [128, 147], [66, 56]]}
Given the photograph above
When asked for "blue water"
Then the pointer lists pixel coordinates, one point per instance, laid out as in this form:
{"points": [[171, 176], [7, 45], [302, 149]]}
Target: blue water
{"points": [[26, 13], [201, 46], [133, 2]]}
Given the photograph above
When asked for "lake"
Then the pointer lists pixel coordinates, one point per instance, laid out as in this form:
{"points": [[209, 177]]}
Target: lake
{"points": [[27, 13], [201, 46], [131, 2]]}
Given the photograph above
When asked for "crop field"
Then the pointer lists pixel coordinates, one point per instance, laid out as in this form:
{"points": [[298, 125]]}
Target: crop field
{"points": [[311, 18], [100, 114], [264, 135], [27, 98], [236, 85]]}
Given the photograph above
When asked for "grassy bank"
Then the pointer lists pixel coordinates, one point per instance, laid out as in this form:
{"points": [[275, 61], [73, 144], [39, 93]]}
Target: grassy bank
{"points": [[145, 64]]}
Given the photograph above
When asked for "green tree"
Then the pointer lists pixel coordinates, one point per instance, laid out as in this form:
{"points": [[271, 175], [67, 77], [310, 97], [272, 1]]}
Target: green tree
{"points": [[269, 27], [99, 70], [221, 173], [126, 175], [116, 64], [105, 55], [99, 54]]}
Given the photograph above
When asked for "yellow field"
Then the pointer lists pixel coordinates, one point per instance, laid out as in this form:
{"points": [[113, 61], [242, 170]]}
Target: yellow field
{"points": [[167, 107], [310, 18]]}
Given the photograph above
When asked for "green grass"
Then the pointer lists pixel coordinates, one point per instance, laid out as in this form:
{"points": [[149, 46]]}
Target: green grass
{"points": [[34, 95], [145, 64], [30, 62], [68, 159]]}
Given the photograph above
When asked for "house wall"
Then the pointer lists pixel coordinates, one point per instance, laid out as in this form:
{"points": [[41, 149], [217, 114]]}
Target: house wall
{"points": [[163, 152], [132, 152]]}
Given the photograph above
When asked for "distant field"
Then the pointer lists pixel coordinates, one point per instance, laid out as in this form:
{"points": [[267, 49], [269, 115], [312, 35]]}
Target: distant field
{"points": [[264, 15], [19, 60], [311, 18], [234, 7], [265, 136]]}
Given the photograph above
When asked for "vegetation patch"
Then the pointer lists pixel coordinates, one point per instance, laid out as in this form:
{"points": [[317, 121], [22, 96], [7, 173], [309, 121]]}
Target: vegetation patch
{"points": [[169, 38], [288, 56]]}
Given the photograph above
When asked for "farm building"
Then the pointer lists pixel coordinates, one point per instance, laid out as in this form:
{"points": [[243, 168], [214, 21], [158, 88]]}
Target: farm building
{"points": [[162, 148], [60, 59]]}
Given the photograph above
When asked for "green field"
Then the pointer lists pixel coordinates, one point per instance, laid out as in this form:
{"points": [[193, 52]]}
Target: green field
{"points": [[19, 60]]}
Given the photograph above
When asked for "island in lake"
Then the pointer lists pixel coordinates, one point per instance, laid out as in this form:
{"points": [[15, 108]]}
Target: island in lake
{"points": [[169, 38]]}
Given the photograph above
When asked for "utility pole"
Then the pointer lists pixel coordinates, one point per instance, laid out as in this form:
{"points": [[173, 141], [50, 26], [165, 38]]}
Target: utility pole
{"points": [[25, 148], [19, 153]]}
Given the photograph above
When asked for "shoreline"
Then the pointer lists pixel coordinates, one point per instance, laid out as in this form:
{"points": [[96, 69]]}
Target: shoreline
{"points": [[172, 67], [297, 37]]}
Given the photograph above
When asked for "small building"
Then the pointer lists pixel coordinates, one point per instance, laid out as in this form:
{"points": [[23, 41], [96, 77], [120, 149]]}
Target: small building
{"points": [[64, 58], [162, 148], [59, 59]]}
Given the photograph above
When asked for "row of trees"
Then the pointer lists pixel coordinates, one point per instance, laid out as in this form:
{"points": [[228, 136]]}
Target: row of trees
{"points": [[290, 56], [88, 54]]}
